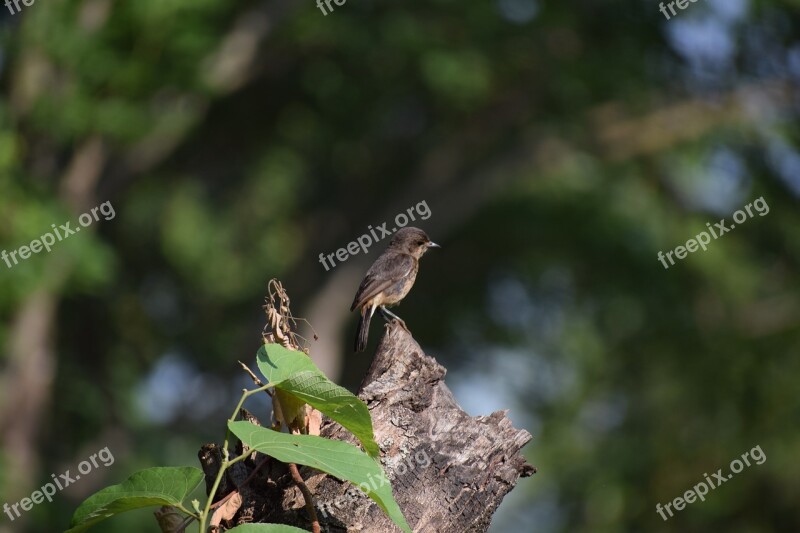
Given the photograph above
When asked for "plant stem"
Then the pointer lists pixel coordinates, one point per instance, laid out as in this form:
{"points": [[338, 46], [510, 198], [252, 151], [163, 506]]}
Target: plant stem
{"points": [[226, 462]]}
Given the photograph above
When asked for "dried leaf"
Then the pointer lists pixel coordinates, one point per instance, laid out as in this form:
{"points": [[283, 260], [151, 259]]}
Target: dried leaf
{"points": [[227, 510], [313, 420]]}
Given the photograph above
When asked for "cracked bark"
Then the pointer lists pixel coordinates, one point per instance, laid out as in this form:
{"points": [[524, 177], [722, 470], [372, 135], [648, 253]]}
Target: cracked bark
{"points": [[449, 471]]}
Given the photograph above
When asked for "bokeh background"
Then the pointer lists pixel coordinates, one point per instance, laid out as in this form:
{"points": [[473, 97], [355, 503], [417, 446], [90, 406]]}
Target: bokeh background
{"points": [[559, 145]]}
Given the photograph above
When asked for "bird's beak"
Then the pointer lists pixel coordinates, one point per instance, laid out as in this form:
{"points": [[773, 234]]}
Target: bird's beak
{"points": [[433, 245]]}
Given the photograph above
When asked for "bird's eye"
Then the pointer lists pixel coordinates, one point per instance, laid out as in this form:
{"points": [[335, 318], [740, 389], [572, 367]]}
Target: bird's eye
{"points": [[421, 243]]}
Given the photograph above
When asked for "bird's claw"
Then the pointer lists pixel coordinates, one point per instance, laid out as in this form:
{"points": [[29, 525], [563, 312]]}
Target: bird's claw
{"points": [[402, 324]]}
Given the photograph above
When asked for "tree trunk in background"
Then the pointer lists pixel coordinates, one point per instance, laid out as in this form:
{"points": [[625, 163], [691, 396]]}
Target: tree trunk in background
{"points": [[27, 380], [26, 383], [449, 471]]}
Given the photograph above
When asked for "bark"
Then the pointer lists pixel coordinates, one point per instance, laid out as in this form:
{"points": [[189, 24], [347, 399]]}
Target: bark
{"points": [[449, 471]]}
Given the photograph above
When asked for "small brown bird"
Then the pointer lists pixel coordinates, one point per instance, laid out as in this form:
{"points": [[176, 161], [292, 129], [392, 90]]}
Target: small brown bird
{"points": [[389, 279]]}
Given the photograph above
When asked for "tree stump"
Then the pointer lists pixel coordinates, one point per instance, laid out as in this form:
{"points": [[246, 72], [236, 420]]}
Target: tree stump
{"points": [[449, 471]]}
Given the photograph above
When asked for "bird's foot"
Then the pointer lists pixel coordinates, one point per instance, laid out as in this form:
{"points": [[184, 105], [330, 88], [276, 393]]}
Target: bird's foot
{"points": [[402, 324], [391, 317]]}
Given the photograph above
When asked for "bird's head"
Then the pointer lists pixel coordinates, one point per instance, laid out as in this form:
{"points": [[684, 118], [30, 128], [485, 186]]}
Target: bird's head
{"points": [[412, 241]]}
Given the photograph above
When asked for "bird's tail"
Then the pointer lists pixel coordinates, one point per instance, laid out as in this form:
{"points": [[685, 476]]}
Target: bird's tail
{"points": [[363, 329]]}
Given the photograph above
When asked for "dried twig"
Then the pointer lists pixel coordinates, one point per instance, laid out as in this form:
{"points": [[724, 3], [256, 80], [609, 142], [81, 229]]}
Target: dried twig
{"points": [[255, 378], [298, 479], [281, 324]]}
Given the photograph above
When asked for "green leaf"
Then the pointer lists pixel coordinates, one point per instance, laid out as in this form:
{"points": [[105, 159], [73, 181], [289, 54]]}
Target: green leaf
{"points": [[337, 458], [151, 487], [266, 528], [336, 402], [295, 373], [278, 363]]}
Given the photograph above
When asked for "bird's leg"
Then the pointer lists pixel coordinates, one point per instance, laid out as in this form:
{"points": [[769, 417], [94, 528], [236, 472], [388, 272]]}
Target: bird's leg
{"points": [[386, 314]]}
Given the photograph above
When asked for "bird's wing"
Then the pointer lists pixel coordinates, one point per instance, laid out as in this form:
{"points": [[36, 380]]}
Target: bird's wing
{"points": [[385, 271]]}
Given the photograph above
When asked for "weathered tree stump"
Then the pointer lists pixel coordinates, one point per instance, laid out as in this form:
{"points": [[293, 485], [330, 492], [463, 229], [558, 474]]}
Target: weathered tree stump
{"points": [[449, 471]]}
